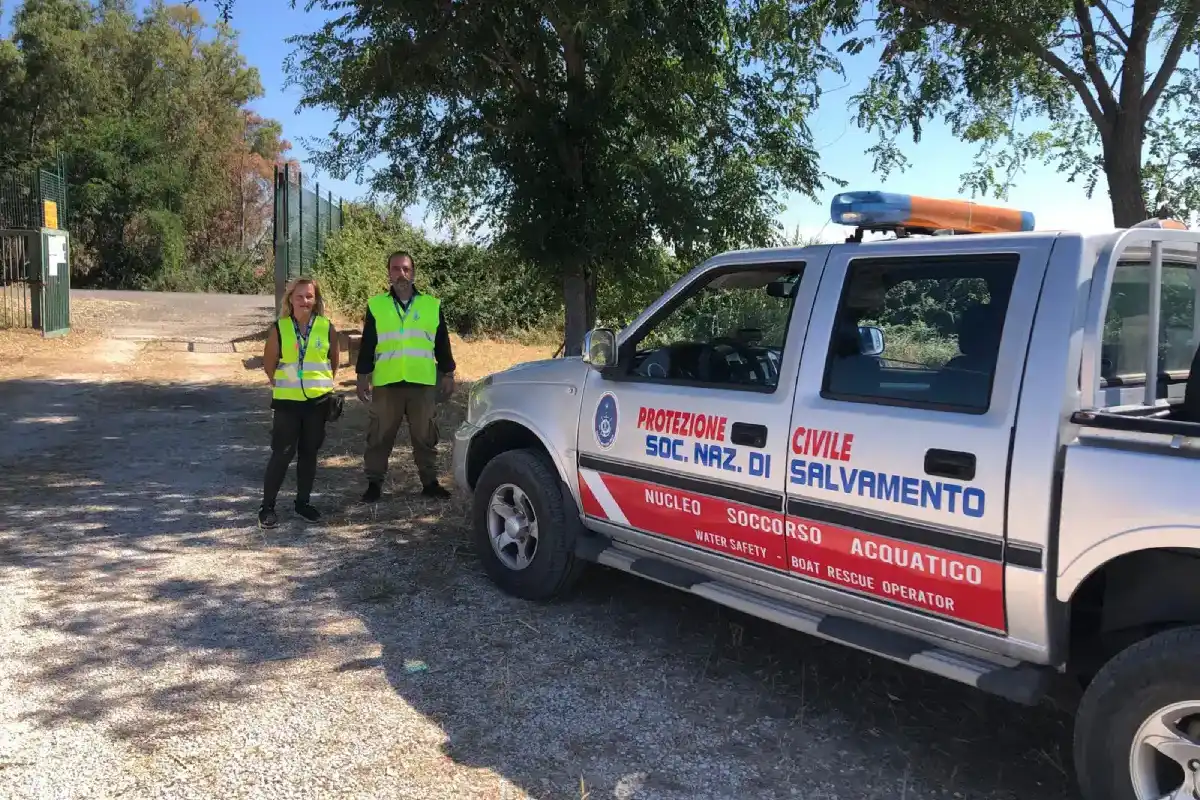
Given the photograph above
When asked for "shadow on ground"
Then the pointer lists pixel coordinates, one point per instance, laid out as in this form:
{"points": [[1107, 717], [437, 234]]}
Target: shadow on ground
{"points": [[159, 602]]}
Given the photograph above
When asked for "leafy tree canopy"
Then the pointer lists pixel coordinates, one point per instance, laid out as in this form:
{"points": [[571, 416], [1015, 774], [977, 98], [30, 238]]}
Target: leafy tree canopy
{"points": [[168, 171], [1108, 75], [581, 133]]}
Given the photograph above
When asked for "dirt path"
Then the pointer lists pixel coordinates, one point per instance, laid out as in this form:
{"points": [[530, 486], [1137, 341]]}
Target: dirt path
{"points": [[155, 643]]}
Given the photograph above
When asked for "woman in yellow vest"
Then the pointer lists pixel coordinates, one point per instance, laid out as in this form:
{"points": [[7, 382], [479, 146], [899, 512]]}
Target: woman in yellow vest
{"points": [[300, 359]]}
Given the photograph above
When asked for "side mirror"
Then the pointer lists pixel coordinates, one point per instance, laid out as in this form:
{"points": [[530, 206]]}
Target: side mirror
{"points": [[870, 340], [600, 347]]}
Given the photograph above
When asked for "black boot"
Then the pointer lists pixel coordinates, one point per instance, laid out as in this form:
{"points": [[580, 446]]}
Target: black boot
{"points": [[267, 517], [434, 489], [309, 513], [373, 492]]}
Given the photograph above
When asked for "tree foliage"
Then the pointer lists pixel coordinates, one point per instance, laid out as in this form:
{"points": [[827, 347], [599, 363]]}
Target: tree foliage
{"points": [[169, 174], [1107, 75], [581, 134]]}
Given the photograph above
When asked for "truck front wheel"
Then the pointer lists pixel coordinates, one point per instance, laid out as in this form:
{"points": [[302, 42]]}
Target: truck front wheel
{"points": [[1137, 732], [520, 527]]}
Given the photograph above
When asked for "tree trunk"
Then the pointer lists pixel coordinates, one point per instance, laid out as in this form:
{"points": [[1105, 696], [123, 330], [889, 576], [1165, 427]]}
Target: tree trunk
{"points": [[576, 305], [591, 298], [1123, 169]]}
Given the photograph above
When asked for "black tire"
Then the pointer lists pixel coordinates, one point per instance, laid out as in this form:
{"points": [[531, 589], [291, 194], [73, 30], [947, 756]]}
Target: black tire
{"points": [[555, 568], [1143, 678]]}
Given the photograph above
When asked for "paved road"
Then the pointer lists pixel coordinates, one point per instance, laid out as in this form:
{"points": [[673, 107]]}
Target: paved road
{"points": [[180, 317]]}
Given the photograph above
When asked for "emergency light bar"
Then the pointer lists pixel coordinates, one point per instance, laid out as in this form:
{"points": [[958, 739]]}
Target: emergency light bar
{"points": [[907, 213]]}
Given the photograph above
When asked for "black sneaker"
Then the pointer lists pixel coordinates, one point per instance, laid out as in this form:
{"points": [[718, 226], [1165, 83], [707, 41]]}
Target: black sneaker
{"points": [[371, 495], [309, 513], [435, 489], [267, 518]]}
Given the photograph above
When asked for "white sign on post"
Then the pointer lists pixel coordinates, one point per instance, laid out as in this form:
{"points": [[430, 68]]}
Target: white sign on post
{"points": [[56, 254]]}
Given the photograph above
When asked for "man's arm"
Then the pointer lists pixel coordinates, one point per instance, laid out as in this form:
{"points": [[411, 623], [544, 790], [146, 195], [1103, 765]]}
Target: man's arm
{"points": [[366, 350], [366, 359], [441, 347]]}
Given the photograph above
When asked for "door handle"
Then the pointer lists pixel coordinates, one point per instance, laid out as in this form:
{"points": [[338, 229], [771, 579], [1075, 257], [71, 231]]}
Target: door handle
{"points": [[748, 434], [950, 464]]}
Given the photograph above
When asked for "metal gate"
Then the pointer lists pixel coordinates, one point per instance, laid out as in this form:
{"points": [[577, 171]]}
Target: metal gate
{"points": [[35, 272], [16, 308], [303, 222], [35, 280]]}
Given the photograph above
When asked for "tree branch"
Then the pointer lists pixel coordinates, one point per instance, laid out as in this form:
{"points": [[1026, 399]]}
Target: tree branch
{"points": [[1084, 16], [1183, 35], [1112, 20], [1108, 37], [1031, 44]]}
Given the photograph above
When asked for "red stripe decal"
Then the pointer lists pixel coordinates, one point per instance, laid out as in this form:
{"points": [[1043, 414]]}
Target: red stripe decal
{"points": [[591, 506], [697, 520], [941, 582]]}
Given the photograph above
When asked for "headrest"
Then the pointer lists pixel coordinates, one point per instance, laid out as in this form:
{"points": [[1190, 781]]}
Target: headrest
{"points": [[979, 330]]}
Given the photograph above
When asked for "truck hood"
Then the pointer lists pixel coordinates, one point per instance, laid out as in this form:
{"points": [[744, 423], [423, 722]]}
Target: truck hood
{"points": [[562, 371]]}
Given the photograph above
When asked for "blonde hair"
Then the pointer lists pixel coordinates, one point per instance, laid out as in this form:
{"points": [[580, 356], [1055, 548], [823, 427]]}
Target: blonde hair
{"points": [[318, 306]]}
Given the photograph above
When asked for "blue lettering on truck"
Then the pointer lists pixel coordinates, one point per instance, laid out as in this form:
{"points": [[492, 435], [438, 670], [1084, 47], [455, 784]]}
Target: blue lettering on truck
{"points": [[665, 447], [938, 495], [837, 446]]}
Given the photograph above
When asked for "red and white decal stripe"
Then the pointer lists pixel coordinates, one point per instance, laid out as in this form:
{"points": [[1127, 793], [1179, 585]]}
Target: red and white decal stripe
{"points": [[941, 582], [596, 494]]}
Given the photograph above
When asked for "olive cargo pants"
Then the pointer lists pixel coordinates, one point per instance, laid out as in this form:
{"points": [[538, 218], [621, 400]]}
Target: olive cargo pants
{"points": [[389, 406]]}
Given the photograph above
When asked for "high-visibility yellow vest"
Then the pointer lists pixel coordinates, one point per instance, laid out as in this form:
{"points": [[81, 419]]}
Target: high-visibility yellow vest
{"points": [[404, 351], [314, 377]]}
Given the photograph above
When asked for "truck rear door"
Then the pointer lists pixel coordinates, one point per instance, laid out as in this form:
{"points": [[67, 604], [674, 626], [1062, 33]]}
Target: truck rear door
{"points": [[684, 442], [899, 460]]}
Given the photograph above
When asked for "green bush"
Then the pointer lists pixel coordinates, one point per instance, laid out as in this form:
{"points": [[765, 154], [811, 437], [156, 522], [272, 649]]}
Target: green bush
{"points": [[483, 291], [155, 250], [238, 272]]}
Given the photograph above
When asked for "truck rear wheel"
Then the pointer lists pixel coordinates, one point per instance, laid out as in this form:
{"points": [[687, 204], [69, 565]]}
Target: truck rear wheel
{"points": [[520, 527], [1137, 732]]}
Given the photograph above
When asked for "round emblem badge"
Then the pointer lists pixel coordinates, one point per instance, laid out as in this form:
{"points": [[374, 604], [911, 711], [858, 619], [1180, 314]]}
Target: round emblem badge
{"points": [[605, 424]]}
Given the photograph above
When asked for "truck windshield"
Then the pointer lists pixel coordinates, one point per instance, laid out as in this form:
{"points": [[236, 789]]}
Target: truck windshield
{"points": [[1123, 349], [729, 330]]}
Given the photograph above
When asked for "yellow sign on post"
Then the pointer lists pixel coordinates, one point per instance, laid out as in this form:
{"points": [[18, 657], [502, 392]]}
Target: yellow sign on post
{"points": [[50, 213]]}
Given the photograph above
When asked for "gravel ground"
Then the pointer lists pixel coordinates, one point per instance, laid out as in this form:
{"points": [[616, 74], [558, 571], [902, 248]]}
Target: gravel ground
{"points": [[154, 643]]}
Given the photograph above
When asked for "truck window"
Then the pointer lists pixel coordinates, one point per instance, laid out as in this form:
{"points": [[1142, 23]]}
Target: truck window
{"points": [[1123, 348], [942, 320], [727, 332]]}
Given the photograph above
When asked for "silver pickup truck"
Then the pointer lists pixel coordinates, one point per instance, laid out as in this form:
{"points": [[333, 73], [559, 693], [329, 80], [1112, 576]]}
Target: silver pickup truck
{"points": [[946, 450]]}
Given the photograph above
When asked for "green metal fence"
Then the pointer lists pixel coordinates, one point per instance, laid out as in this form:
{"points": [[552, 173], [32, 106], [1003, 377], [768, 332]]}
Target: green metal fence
{"points": [[34, 198], [35, 272], [304, 221]]}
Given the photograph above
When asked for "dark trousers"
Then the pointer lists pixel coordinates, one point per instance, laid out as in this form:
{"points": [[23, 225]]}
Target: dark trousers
{"points": [[297, 432], [390, 405]]}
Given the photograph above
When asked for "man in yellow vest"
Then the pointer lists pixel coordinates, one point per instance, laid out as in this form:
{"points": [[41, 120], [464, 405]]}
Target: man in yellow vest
{"points": [[404, 364]]}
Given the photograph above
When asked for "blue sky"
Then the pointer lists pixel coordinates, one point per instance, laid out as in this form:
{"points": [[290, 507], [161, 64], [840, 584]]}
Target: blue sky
{"points": [[935, 165]]}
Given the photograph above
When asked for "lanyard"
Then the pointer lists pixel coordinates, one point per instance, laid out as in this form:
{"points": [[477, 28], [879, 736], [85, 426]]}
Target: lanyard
{"points": [[402, 313], [302, 338]]}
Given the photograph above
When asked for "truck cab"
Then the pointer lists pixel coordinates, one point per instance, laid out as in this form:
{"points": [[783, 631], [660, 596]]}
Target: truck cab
{"points": [[943, 448]]}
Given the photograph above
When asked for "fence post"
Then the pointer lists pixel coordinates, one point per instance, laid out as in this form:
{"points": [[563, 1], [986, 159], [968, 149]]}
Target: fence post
{"points": [[300, 217]]}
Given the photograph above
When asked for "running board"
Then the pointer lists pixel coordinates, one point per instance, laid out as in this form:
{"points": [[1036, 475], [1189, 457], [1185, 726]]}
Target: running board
{"points": [[1011, 679]]}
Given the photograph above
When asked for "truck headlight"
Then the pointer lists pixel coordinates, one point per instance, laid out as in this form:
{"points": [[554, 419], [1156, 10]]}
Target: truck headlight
{"points": [[476, 399]]}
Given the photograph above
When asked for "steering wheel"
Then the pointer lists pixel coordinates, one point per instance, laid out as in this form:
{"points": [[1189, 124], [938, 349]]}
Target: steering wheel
{"points": [[750, 364]]}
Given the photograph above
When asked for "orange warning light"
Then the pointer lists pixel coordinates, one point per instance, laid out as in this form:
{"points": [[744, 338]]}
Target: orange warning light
{"points": [[886, 210]]}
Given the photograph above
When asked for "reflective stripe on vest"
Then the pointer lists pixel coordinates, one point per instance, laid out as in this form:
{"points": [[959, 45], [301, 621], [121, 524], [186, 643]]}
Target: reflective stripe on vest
{"points": [[404, 351], [313, 378]]}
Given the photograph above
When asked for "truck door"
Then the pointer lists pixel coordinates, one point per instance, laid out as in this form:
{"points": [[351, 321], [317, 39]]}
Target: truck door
{"points": [[899, 456], [684, 440]]}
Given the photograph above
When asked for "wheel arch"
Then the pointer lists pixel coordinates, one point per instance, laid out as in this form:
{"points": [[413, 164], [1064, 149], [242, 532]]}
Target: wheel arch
{"points": [[509, 433], [1131, 597]]}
